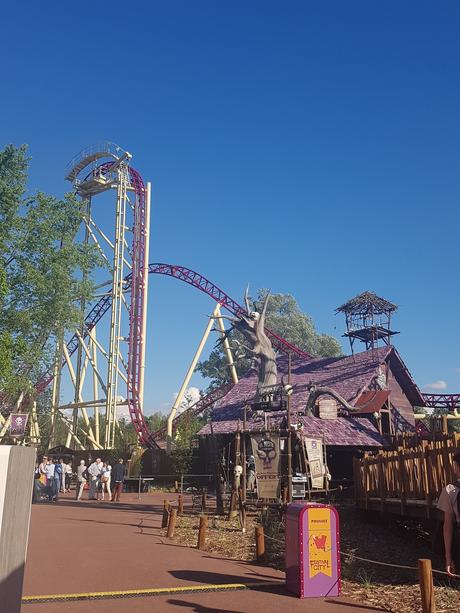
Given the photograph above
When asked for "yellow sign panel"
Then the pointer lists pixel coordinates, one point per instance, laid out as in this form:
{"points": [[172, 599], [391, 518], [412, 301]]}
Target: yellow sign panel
{"points": [[319, 542]]}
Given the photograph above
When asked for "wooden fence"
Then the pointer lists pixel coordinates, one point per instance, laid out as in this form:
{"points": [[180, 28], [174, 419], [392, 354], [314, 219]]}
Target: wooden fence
{"points": [[407, 480]]}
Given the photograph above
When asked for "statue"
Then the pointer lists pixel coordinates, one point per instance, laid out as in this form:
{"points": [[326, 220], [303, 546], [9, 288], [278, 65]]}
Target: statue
{"points": [[251, 325]]}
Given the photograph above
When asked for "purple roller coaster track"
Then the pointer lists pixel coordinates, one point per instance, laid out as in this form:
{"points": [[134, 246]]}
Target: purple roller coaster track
{"points": [[134, 282]]}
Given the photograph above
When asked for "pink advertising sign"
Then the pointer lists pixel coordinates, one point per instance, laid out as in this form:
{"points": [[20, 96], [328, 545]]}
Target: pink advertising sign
{"points": [[312, 550]]}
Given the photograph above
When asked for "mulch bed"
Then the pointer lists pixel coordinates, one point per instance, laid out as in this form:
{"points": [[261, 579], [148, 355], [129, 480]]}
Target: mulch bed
{"points": [[395, 542]]}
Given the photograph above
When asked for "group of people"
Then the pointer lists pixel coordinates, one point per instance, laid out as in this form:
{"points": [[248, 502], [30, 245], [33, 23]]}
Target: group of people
{"points": [[101, 478], [53, 476]]}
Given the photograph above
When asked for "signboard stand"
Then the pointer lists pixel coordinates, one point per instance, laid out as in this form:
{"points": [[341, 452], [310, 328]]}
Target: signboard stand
{"points": [[312, 550]]}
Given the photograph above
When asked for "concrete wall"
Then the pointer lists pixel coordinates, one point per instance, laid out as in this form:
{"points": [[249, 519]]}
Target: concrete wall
{"points": [[16, 483]]}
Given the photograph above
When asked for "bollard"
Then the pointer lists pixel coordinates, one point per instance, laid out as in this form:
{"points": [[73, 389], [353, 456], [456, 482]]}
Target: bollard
{"points": [[202, 531], [172, 523], [165, 519], [425, 577], [180, 505], [260, 544], [203, 501]]}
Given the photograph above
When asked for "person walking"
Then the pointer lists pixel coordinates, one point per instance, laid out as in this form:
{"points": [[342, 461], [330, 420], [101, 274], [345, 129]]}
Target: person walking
{"points": [[82, 474], [94, 471], [105, 479], [52, 485], [58, 477], [118, 477], [449, 503], [67, 476], [62, 475]]}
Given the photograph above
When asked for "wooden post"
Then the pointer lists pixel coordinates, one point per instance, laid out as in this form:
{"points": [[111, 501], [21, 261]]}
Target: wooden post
{"points": [[260, 544], [172, 523], [216, 467], [180, 504], [427, 477], [165, 519], [445, 426], [425, 576], [402, 478], [381, 476], [242, 510], [176, 486], [202, 531], [232, 510], [243, 482], [203, 501]]}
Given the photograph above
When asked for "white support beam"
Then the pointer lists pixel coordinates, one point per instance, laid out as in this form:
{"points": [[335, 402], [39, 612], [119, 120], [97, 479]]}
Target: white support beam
{"points": [[227, 348], [74, 381], [90, 358], [188, 376], [145, 291]]}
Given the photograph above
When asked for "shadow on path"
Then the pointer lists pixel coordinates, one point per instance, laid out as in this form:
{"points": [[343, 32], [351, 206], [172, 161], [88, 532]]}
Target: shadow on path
{"points": [[199, 608], [353, 605], [103, 505], [212, 578]]}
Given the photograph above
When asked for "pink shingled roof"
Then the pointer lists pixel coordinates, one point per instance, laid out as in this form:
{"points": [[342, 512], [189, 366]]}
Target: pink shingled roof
{"points": [[347, 431], [348, 375]]}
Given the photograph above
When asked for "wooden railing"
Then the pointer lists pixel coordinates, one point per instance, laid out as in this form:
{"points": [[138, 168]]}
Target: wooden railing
{"points": [[406, 477]]}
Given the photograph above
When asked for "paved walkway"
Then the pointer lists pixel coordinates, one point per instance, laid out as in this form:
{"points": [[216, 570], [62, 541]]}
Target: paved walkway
{"points": [[92, 546]]}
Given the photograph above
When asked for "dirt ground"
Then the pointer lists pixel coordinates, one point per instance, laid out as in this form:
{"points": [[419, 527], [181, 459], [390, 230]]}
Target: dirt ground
{"points": [[394, 542]]}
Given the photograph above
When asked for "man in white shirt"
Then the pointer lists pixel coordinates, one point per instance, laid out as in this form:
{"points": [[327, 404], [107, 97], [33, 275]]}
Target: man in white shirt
{"points": [[51, 480], [82, 473], [94, 471]]}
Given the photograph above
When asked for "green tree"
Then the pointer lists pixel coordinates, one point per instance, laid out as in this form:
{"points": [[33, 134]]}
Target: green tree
{"points": [[284, 317], [182, 454], [43, 273]]}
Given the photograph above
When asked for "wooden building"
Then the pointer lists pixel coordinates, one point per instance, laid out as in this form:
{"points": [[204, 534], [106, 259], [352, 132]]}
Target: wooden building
{"points": [[376, 382]]}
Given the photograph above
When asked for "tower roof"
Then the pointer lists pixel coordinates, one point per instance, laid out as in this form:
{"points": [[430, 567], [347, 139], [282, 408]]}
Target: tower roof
{"points": [[367, 303]]}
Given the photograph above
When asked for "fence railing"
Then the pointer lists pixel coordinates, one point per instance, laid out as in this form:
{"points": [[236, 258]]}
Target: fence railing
{"points": [[411, 476]]}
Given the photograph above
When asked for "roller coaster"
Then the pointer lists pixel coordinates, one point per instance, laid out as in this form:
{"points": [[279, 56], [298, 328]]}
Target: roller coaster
{"points": [[124, 248]]}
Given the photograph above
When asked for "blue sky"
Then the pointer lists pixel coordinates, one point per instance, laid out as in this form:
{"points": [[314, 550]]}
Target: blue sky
{"points": [[307, 147]]}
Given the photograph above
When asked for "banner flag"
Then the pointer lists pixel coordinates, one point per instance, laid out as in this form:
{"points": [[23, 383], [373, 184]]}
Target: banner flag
{"points": [[266, 451], [18, 424], [314, 449]]}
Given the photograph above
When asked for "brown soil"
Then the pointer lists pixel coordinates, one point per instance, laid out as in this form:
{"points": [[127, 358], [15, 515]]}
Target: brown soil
{"points": [[395, 542]]}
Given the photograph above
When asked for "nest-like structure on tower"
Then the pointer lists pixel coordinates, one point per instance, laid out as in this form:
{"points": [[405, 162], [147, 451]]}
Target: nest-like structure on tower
{"points": [[366, 303]]}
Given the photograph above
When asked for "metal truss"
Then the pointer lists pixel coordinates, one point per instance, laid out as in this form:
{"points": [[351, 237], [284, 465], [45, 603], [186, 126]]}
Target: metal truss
{"points": [[442, 401]]}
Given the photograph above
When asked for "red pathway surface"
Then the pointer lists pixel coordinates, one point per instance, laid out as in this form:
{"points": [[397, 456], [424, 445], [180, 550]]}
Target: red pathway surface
{"points": [[93, 546]]}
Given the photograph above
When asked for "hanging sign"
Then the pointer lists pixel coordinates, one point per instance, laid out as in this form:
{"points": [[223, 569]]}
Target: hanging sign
{"points": [[266, 451], [312, 550], [18, 424], [314, 449]]}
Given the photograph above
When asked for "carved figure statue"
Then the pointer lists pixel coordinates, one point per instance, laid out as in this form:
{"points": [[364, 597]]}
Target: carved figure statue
{"points": [[252, 326]]}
